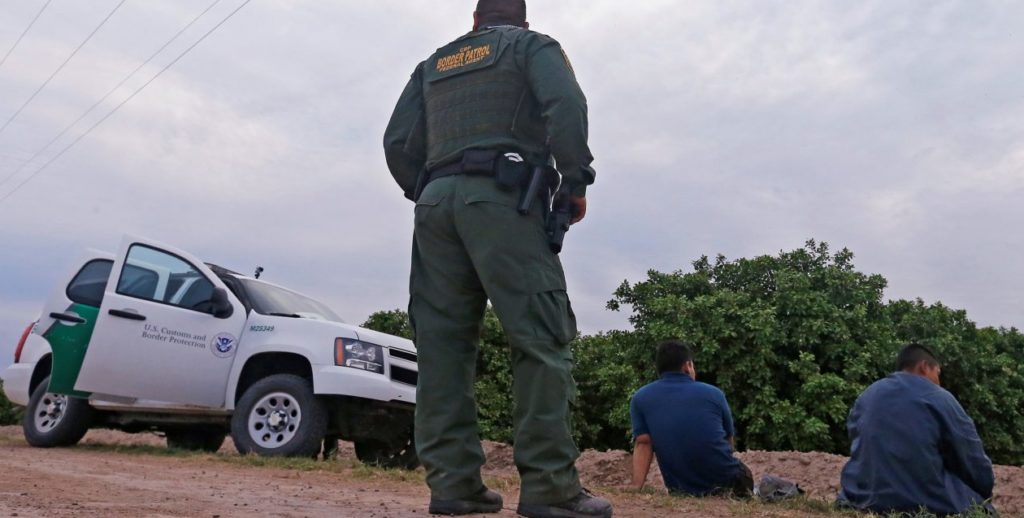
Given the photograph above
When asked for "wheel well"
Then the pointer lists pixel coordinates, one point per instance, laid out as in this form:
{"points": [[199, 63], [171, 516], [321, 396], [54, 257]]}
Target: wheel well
{"points": [[40, 373], [267, 364]]}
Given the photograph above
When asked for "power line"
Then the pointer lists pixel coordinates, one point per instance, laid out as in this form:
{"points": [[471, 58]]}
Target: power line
{"points": [[122, 103], [23, 33], [61, 67], [108, 94]]}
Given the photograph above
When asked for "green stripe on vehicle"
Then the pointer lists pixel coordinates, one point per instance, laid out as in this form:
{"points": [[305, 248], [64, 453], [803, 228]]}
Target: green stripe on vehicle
{"points": [[69, 344]]}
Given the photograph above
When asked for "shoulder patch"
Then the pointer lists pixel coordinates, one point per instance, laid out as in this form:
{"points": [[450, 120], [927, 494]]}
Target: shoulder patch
{"points": [[567, 62], [464, 56]]}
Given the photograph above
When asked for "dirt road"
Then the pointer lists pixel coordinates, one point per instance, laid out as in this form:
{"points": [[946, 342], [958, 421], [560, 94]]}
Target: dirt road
{"points": [[117, 475]]}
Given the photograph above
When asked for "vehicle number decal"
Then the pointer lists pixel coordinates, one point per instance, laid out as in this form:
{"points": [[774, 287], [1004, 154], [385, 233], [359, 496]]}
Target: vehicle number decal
{"points": [[261, 329]]}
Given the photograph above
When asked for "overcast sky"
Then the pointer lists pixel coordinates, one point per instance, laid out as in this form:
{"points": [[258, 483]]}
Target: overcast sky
{"points": [[894, 128]]}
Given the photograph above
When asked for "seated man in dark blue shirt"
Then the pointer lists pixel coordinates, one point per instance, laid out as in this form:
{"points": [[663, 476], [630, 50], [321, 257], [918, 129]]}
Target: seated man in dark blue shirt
{"points": [[913, 445], [689, 427]]}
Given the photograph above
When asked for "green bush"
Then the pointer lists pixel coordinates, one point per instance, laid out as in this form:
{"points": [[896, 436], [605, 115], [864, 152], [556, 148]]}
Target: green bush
{"points": [[9, 412], [791, 339], [493, 370], [981, 367], [607, 374]]}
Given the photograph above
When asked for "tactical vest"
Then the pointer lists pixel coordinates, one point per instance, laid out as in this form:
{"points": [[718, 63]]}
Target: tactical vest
{"points": [[473, 90]]}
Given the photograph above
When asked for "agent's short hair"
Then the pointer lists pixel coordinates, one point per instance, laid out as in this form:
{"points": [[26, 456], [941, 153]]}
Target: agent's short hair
{"points": [[672, 354], [913, 354], [502, 11]]}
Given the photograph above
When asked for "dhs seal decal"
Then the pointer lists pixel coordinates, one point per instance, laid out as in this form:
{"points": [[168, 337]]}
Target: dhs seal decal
{"points": [[223, 345]]}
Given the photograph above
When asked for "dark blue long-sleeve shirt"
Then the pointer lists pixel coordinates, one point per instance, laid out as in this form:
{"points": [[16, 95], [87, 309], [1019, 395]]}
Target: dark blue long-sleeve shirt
{"points": [[690, 425], [913, 445]]}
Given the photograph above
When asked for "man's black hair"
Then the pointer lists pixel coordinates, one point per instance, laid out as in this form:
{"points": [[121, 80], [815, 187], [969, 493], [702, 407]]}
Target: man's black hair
{"points": [[672, 354], [512, 12], [913, 354]]}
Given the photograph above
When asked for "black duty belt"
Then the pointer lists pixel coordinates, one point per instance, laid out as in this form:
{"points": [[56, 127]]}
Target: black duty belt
{"points": [[472, 161], [507, 171], [454, 169]]}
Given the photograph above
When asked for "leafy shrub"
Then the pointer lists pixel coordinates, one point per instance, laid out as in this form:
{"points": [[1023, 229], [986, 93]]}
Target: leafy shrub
{"points": [[599, 393], [791, 339], [493, 370], [9, 412], [981, 367]]}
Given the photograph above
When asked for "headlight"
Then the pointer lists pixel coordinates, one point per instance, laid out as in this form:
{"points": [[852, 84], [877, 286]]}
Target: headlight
{"points": [[359, 355]]}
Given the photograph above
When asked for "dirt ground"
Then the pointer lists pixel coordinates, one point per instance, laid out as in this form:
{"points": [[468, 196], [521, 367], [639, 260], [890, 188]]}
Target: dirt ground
{"points": [[96, 479]]}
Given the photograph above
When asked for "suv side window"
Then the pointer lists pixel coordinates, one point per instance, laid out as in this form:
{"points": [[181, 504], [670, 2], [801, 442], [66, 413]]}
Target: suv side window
{"points": [[137, 281], [90, 282], [162, 277]]}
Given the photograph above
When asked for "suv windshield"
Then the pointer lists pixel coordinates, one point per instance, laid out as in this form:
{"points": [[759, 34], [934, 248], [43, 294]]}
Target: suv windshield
{"points": [[272, 300]]}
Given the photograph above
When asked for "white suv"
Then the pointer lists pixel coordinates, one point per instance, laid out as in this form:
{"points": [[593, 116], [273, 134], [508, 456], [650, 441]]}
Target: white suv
{"points": [[154, 339]]}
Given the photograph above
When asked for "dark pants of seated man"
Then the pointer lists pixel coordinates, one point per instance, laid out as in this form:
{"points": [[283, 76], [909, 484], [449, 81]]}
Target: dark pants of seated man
{"points": [[741, 487]]}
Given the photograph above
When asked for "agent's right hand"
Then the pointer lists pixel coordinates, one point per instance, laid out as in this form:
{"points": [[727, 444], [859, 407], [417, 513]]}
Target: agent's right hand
{"points": [[579, 209]]}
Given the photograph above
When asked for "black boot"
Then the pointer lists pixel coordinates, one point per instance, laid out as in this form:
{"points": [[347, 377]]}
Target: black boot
{"points": [[483, 501], [583, 505]]}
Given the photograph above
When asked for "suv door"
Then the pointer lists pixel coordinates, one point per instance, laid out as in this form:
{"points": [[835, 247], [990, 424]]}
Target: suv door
{"points": [[156, 335]]}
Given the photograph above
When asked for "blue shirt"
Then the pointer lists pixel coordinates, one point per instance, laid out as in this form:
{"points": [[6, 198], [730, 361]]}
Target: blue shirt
{"points": [[689, 424], [913, 445]]}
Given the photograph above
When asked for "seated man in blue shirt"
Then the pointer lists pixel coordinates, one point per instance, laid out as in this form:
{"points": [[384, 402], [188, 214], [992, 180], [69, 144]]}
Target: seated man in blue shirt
{"points": [[913, 445], [689, 427]]}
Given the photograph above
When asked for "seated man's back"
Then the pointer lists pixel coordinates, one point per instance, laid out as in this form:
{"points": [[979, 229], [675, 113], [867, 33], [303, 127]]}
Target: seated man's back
{"points": [[913, 446], [689, 426]]}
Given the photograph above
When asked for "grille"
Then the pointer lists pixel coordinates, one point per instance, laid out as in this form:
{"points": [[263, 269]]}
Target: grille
{"points": [[403, 375], [402, 354]]}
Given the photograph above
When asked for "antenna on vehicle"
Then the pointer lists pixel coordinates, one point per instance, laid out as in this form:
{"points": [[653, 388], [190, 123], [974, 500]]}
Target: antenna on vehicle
{"points": [[259, 270]]}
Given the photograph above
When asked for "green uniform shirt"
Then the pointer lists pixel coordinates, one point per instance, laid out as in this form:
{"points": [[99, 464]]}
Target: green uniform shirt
{"points": [[553, 106]]}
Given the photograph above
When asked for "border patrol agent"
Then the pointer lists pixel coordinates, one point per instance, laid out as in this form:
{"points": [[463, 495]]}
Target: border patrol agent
{"points": [[472, 119]]}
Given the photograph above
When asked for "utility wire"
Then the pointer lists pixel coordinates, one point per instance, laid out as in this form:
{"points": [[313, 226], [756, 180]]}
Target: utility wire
{"points": [[122, 103], [23, 33], [67, 128], [61, 67]]}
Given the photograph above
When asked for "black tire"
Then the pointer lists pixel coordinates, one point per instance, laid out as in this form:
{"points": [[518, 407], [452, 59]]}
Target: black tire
{"points": [[384, 455], [196, 439], [287, 419], [53, 420]]}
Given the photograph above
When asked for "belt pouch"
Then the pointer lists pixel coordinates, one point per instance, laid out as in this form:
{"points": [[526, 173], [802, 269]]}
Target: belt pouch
{"points": [[478, 161], [509, 174]]}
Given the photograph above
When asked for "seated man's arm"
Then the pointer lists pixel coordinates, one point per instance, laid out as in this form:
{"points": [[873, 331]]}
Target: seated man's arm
{"points": [[643, 453], [643, 450], [964, 453]]}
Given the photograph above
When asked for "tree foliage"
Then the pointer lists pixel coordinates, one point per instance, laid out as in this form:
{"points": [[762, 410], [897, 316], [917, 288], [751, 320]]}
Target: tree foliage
{"points": [[791, 339], [9, 413], [493, 368]]}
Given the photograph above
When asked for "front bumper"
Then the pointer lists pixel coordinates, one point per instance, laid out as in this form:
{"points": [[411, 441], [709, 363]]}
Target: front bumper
{"points": [[330, 380]]}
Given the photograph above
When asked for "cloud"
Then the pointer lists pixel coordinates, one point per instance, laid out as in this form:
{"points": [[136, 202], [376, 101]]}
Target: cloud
{"points": [[741, 128]]}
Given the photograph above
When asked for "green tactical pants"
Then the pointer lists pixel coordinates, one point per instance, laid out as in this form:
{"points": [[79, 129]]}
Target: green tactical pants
{"points": [[471, 245]]}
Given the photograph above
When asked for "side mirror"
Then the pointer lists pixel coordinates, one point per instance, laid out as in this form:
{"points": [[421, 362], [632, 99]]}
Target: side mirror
{"points": [[220, 305]]}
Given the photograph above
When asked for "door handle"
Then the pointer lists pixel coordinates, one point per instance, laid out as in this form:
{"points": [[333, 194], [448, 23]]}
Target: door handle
{"points": [[67, 317], [130, 315]]}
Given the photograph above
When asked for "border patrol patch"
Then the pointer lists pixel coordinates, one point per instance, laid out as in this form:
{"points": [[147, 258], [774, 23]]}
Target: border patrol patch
{"points": [[466, 56]]}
